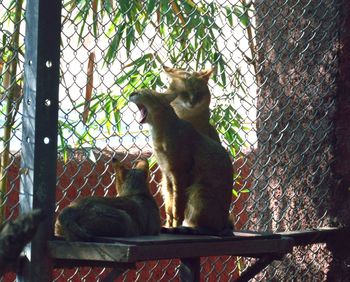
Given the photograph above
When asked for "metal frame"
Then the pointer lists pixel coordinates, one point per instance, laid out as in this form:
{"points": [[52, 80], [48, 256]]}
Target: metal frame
{"points": [[40, 119]]}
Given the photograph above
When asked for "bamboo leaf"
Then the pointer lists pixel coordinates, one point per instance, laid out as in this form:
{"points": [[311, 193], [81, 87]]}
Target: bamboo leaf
{"points": [[229, 16], [108, 114], [242, 14], [113, 49], [152, 161], [107, 5], [150, 6], [130, 37], [194, 5], [235, 193], [121, 102], [94, 17], [63, 147], [140, 61], [116, 114], [124, 6]]}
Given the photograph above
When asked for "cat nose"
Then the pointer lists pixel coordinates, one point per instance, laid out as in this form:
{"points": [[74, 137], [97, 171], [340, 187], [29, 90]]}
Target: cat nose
{"points": [[133, 94], [191, 103]]}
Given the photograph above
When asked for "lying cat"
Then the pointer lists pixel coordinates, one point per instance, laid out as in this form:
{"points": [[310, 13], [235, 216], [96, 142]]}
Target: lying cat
{"points": [[133, 212], [197, 171], [193, 98]]}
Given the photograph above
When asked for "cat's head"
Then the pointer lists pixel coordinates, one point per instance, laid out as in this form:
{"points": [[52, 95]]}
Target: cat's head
{"points": [[151, 104], [131, 180], [191, 87]]}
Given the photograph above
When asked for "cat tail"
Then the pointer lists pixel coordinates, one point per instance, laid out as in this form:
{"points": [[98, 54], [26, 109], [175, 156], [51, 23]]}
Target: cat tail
{"points": [[185, 230], [70, 229]]}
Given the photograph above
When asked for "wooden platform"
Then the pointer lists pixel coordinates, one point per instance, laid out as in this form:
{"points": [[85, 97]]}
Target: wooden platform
{"points": [[122, 253], [167, 246]]}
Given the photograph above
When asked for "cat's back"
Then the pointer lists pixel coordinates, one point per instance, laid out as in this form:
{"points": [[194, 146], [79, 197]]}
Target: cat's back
{"points": [[148, 216]]}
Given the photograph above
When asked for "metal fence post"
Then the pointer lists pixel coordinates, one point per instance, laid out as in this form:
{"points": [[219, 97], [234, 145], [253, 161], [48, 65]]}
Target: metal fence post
{"points": [[40, 119]]}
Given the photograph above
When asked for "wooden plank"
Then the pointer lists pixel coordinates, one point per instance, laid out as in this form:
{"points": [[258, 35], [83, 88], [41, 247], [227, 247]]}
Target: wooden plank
{"points": [[317, 235], [89, 251], [161, 248], [247, 248], [124, 252], [159, 239], [177, 238]]}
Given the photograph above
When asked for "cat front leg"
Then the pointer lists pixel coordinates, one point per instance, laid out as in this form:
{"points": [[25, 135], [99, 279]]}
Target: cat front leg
{"points": [[178, 209], [167, 193], [179, 204]]}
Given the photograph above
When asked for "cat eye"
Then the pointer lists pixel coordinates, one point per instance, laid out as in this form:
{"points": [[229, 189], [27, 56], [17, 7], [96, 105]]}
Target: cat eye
{"points": [[185, 95]]}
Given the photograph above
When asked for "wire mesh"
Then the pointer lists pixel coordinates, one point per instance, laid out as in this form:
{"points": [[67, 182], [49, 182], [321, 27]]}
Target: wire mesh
{"points": [[271, 103]]}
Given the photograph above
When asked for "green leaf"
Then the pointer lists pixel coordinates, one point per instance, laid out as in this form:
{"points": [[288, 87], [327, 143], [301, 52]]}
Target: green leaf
{"points": [[245, 191], [124, 6], [244, 19], [235, 193], [113, 49], [242, 14], [117, 119], [139, 28], [121, 102], [229, 16], [108, 113], [150, 6], [107, 5], [194, 5], [130, 37], [152, 161]]}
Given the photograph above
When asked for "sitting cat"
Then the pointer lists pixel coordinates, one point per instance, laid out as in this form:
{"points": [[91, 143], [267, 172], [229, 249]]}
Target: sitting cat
{"points": [[133, 212], [193, 98], [197, 171]]}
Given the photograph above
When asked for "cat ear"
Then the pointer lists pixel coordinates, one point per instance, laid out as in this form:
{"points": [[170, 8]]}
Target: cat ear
{"points": [[206, 74], [175, 73], [141, 164], [168, 69], [120, 172]]}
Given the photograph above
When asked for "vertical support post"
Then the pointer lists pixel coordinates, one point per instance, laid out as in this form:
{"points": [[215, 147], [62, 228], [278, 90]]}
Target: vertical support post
{"points": [[190, 270], [40, 120]]}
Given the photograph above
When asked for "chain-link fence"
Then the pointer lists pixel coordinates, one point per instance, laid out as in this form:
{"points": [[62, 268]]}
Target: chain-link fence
{"points": [[272, 100]]}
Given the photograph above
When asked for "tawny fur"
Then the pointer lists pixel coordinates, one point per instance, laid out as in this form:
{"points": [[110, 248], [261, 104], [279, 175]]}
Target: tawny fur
{"points": [[197, 171], [193, 98]]}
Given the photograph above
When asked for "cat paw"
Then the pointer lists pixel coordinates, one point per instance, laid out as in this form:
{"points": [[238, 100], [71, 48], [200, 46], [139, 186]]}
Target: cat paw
{"points": [[177, 223]]}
